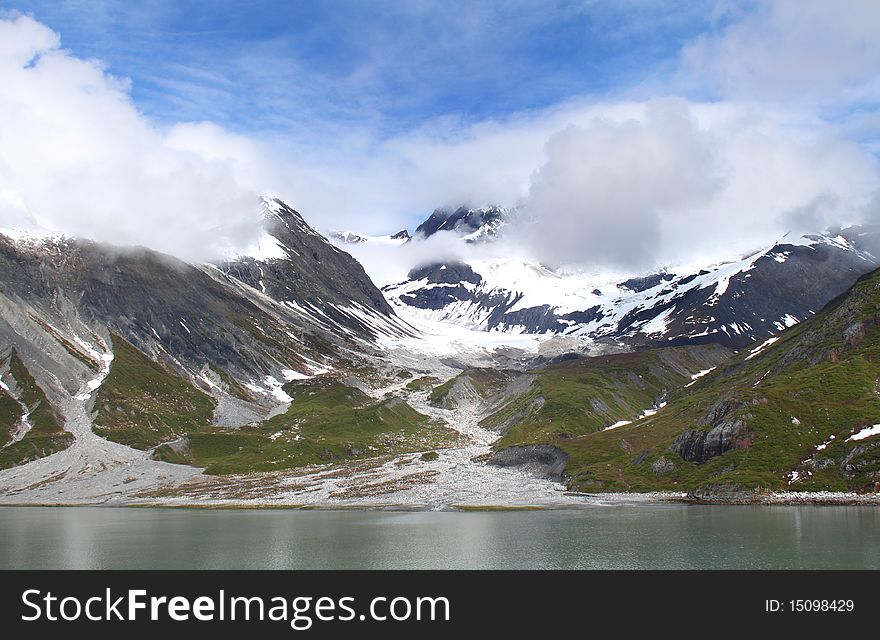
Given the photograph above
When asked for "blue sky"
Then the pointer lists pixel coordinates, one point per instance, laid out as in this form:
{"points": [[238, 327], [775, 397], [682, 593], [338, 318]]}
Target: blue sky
{"points": [[280, 66], [695, 126]]}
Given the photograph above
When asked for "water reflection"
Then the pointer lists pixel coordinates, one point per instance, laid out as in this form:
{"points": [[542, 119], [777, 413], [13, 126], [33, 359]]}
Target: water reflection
{"points": [[632, 537]]}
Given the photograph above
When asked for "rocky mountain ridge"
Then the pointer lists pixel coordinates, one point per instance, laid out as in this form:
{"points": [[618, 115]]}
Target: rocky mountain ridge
{"points": [[734, 303]]}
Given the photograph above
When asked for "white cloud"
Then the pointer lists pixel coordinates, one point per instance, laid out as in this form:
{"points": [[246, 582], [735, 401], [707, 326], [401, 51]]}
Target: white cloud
{"points": [[686, 180], [801, 50], [631, 186], [389, 264], [605, 187], [76, 157], [624, 184]]}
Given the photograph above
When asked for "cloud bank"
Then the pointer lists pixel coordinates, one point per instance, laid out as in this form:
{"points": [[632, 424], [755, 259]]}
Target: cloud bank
{"points": [[620, 182], [76, 157], [684, 181]]}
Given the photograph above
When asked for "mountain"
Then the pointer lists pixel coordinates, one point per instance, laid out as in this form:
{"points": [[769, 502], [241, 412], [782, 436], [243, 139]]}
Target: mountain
{"points": [[349, 237], [799, 411], [158, 348], [284, 374], [733, 304], [472, 224]]}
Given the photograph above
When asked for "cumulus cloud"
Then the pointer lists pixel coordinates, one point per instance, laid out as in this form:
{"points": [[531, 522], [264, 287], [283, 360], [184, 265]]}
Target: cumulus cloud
{"points": [[687, 180], [627, 184], [389, 265], [76, 157], [600, 196]]}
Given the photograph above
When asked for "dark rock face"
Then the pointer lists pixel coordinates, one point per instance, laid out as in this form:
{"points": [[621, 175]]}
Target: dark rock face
{"points": [[809, 279], [821, 463], [445, 273], [187, 315], [646, 282], [863, 457], [786, 284], [446, 283], [854, 334], [726, 432], [543, 460], [700, 446], [403, 234], [313, 270], [463, 220]]}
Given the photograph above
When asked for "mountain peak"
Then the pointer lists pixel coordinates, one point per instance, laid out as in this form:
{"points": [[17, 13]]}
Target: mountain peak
{"points": [[274, 208], [466, 221]]}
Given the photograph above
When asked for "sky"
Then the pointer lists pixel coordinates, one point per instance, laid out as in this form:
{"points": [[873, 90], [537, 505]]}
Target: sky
{"points": [[627, 134]]}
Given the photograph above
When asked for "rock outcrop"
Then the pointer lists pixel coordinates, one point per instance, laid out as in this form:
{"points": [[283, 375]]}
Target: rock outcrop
{"points": [[542, 460], [727, 431]]}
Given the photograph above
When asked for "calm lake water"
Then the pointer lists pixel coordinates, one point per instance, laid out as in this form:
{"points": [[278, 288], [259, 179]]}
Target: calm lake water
{"points": [[632, 537]]}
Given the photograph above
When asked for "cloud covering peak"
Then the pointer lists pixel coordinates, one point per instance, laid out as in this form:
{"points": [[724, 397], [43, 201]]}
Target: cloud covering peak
{"points": [[675, 179], [631, 180], [76, 157]]}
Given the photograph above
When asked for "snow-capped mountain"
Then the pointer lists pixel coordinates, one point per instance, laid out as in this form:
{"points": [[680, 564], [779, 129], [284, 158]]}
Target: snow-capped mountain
{"points": [[733, 303], [116, 361], [294, 305], [349, 237], [472, 224]]}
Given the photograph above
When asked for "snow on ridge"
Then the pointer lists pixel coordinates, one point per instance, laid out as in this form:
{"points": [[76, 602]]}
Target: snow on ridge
{"points": [[699, 375], [33, 237], [265, 247], [270, 205], [757, 350], [867, 432], [347, 237]]}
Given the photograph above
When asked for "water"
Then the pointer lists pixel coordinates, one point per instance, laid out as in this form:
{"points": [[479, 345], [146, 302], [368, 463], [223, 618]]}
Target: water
{"points": [[631, 537]]}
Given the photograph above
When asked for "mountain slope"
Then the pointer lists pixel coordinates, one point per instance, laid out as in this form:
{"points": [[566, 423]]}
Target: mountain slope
{"points": [[163, 348], [29, 426], [733, 304], [470, 223], [796, 412]]}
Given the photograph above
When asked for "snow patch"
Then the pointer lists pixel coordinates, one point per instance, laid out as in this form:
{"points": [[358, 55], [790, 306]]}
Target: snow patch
{"points": [[867, 432], [757, 350], [699, 375]]}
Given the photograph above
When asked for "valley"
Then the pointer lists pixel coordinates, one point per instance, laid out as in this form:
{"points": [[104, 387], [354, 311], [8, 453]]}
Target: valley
{"points": [[286, 378]]}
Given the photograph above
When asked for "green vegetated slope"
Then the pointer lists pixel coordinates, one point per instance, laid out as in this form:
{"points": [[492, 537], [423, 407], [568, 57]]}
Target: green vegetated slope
{"points": [[46, 434], [423, 382], [142, 404], [582, 396], [10, 416], [775, 418], [327, 421]]}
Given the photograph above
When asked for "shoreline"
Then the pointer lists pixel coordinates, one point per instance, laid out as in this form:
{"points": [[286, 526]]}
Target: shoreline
{"points": [[590, 500]]}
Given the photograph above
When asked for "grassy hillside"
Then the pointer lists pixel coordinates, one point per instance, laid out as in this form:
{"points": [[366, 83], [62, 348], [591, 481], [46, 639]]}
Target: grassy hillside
{"points": [[778, 417], [10, 416], [142, 404], [326, 421], [46, 435], [585, 395]]}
